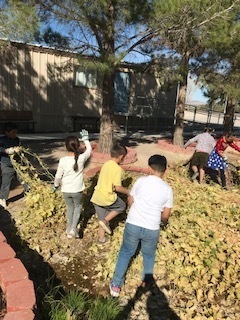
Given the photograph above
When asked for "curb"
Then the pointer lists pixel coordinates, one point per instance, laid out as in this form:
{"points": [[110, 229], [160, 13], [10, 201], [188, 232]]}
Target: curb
{"points": [[15, 284], [99, 157]]}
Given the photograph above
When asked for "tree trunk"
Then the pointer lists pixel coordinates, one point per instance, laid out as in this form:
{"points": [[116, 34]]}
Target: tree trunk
{"points": [[229, 116], [178, 129], [180, 107], [106, 125]]}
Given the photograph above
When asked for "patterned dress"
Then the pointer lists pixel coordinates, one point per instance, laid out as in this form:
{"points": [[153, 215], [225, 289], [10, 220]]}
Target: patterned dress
{"points": [[215, 160]]}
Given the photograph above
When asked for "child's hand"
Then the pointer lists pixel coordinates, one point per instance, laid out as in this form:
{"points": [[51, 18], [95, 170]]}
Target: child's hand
{"points": [[10, 150], [84, 134], [54, 188]]}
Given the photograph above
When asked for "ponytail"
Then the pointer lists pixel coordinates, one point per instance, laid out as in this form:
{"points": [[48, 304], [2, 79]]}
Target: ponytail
{"points": [[72, 145], [76, 155]]}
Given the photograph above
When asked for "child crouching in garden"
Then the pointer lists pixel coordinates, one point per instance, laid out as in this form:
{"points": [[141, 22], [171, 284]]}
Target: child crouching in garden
{"points": [[70, 175], [217, 161]]}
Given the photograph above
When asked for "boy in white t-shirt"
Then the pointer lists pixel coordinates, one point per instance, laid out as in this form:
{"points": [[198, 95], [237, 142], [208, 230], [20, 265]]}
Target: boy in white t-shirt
{"points": [[151, 200]]}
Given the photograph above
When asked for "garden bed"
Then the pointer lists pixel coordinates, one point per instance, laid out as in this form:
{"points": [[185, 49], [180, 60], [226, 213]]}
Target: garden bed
{"points": [[190, 251]]}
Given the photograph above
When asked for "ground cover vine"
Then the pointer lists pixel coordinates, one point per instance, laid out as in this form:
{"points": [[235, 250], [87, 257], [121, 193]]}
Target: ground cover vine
{"points": [[198, 258]]}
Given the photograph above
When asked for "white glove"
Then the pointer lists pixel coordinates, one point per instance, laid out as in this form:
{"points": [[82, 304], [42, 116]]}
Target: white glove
{"points": [[55, 188], [10, 150], [84, 134]]}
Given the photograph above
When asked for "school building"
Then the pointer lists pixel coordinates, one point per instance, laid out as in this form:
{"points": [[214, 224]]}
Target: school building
{"points": [[49, 89]]}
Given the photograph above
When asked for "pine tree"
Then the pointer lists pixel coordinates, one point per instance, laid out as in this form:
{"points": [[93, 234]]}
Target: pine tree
{"points": [[107, 30], [183, 26], [220, 67], [18, 20]]}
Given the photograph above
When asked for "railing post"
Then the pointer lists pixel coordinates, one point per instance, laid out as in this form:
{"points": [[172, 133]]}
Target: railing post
{"points": [[194, 115]]}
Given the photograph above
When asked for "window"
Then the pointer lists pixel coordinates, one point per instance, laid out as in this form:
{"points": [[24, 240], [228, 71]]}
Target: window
{"points": [[86, 78]]}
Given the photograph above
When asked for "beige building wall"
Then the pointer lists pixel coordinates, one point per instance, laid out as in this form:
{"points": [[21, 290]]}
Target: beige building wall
{"points": [[42, 80]]}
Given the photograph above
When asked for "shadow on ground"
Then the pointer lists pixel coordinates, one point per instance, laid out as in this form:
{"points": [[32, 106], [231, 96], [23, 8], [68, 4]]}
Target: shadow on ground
{"points": [[157, 306]]}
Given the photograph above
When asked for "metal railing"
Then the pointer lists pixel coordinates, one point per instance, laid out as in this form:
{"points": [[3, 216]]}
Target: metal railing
{"points": [[194, 114]]}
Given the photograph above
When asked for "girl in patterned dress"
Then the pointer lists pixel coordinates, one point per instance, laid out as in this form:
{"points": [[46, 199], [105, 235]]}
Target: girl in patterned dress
{"points": [[217, 161]]}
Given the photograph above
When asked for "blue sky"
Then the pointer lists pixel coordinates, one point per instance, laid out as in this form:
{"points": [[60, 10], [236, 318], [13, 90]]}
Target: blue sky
{"points": [[198, 95], [194, 91]]}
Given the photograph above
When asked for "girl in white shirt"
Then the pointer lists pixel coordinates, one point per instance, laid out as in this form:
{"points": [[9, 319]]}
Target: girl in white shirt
{"points": [[70, 175]]}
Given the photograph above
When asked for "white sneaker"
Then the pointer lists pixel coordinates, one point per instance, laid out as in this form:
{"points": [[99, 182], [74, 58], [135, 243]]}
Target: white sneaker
{"points": [[3, 203], [71, 234]]}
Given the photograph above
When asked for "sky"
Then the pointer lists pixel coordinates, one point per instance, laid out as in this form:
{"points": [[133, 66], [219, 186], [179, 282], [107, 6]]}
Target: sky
{"points": [[194, 92]]}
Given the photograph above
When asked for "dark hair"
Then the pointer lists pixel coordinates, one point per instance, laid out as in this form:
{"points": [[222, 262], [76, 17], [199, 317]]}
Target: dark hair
{"points": [[229, 137], [118, 150], [209, 130], [158, 163], [72, 144], [9, 126]]}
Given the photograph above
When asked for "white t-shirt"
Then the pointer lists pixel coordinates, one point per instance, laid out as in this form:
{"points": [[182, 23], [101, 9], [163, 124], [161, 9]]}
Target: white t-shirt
{"points": [[151, 195], [70, 180]]}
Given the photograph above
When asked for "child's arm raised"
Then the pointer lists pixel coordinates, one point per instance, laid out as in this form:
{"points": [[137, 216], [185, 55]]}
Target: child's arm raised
{"points": [[85, 138]]}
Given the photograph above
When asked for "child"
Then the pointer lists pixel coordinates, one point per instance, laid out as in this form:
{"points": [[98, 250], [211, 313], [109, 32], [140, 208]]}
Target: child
{"points": [[151, 200], [217, 161], [8, 144], [105, 199], [70, 175], [205, 144]]}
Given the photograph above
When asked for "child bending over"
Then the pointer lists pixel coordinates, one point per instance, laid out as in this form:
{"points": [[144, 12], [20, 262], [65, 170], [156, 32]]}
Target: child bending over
{"points": [[105, 199], [218, 161]]}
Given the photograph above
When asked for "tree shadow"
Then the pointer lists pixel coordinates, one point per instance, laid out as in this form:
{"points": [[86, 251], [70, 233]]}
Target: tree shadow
{"points": [[157, 305], [135, 140], [44, 149], [40, 272]]}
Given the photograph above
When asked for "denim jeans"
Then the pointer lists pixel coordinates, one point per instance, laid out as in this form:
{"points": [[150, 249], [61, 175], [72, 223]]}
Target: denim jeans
{"points": [[133, 235], [74, 206], [8, 173]]}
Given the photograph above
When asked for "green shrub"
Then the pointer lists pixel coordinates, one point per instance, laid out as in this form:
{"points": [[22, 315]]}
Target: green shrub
{"points": [[104, 309]]}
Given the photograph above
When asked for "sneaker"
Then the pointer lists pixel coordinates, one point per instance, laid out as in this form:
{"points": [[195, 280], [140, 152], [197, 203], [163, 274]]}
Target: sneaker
{"points": [[114, 290], [195, 175], [104, 240], [105, 226], [71, 234], [3, 203]]}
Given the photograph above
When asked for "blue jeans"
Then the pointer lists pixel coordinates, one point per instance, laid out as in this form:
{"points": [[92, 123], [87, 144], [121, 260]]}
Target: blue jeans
{"points": [[8, 173], [133, 235], [74, 206]]}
